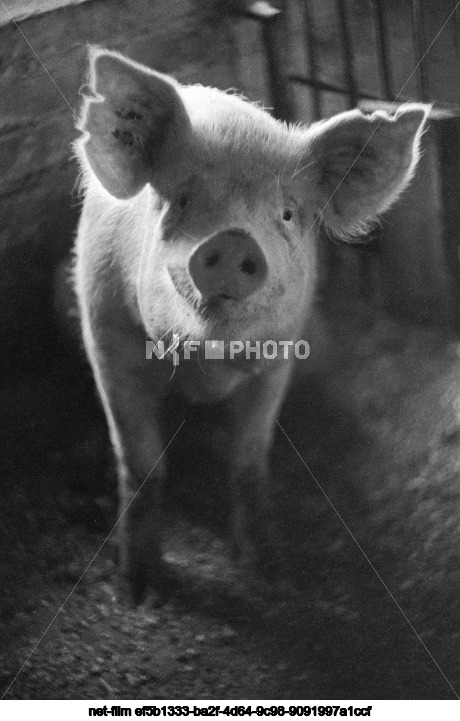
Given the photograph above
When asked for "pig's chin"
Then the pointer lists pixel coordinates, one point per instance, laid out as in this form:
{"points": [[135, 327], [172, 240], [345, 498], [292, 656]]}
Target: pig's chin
{"points": [[228, 320], [218, 310], [225, 317]]}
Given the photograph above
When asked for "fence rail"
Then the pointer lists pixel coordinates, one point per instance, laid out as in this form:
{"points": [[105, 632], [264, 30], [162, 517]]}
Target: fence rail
{"points": [[274, 39]]}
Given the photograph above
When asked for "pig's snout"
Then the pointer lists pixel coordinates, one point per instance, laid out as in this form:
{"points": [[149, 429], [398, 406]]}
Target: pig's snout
{"points": [[228, 266]]}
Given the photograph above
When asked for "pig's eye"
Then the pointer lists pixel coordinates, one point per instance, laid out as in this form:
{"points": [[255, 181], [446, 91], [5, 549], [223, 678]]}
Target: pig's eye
{"points": [[287, 214], [182, 201]]}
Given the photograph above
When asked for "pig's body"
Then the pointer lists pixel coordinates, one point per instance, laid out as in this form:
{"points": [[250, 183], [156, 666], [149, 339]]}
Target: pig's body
{"points": [[200, 220]]}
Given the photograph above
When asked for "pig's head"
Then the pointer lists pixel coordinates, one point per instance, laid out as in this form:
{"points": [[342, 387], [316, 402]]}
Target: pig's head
{"points": [[227, 200]]}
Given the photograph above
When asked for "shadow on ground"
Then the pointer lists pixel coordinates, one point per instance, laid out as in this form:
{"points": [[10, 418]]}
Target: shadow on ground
{"points": [[366, 463]]}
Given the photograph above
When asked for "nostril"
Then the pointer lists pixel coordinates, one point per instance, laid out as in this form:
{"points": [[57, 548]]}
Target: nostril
{"points": [[211, 260], [248, 266]]}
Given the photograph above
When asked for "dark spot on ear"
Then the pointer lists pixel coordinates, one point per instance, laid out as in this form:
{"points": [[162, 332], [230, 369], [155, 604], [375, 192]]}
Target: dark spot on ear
{"points": [[128, 114], [125, 137], [144, 101]]}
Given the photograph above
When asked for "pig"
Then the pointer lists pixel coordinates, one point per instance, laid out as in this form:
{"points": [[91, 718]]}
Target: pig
{"points": [[200, 222]]}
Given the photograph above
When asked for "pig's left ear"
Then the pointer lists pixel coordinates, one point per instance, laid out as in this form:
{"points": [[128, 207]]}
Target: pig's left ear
{"points": [[361, 164], [134, 124]]}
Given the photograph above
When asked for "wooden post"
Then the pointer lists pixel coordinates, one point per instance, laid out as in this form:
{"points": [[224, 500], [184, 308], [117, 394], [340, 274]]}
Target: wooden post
{"points": [[274, 38], [420, 50], [347, 53], [381, 33], [310, 40]]}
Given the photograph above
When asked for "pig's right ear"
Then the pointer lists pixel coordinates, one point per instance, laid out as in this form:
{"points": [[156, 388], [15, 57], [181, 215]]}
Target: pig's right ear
{"points": [[362, 163], [135, 122]]}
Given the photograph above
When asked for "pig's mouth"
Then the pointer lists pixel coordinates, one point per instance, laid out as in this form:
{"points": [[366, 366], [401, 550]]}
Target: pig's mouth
{"points": [[216, 305], [210, 308]]}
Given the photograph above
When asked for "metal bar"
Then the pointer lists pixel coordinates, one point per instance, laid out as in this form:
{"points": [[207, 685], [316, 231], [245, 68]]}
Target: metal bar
{"points": [[419, 45], [381, 33], [440, 105], [328, 87], [347, 53], [310, 40]]}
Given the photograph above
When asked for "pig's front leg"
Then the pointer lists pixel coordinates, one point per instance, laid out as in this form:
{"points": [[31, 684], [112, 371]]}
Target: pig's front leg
{"points": [[252, 413], [128, 388]]}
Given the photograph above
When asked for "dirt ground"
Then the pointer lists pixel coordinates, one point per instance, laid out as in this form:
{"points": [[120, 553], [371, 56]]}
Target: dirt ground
{"points": [[367, 469]]}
